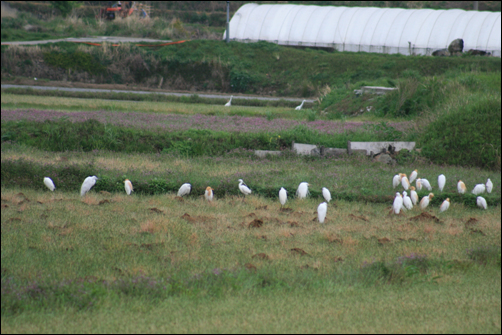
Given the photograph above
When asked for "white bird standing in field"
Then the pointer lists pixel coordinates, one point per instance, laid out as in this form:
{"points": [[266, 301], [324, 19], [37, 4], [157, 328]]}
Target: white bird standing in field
{"points": [[326, 194], [185, 189], [426, 184], [128, 186], [244, 188], [49, 183], [414, 196], [405, 182], [418, 183], [88, 183], [396, 180], [283, 196], [413, 176], [300, 107], [441, 181], [478, 189], [445, 205], [461, 187], [407, 201], [481, 202], [303, 190], [321, 212], [489, 186], [209, 193], [229, 103], [425, 200], [398, 203]]}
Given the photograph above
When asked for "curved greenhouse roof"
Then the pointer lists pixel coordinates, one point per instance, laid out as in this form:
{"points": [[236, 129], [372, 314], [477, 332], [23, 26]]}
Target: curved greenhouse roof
{"points": [[382, 30]]}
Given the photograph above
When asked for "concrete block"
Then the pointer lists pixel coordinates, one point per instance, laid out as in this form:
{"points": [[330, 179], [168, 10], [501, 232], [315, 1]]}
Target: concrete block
{"points": [[264, 153], [305, 149], [376, 147], [334, 152]]}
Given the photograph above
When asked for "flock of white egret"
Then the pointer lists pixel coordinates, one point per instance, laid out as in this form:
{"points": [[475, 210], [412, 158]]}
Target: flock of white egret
{"points": [[401, 202], [229, 103]]}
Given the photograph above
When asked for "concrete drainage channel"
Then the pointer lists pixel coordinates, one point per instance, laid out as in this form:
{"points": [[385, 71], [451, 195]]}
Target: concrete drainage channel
{"points": [[379, 151]]}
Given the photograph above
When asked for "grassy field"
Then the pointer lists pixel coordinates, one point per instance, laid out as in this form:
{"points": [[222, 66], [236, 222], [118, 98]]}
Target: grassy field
{"points": [[152, 262], [188, 266]]}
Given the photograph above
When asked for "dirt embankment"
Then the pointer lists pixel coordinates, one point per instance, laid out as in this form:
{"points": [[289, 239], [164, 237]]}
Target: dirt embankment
{"points": [[111, 68]]}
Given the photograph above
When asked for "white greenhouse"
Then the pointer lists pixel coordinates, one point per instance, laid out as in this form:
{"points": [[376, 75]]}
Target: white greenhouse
{"points": [[369, 29]]}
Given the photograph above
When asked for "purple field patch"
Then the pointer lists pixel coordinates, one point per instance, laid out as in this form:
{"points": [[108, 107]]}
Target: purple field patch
{"points": [[175, 122]]}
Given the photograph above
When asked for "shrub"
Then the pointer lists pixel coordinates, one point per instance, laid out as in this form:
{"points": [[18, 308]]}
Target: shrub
{"points": [[465, 133]]}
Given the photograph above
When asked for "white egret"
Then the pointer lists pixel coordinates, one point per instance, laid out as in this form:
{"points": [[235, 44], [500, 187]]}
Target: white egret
{"points": [[244, 188], [128, 186], [229, 103], [425, 200], [396, 180], [209, 193], [478, 189], [426, 184], [303, 190], [300, 107], [413, 176], [413, 196], [441, 182], [461, 187], [407, 201], [283, 196], [321, 212], [398, 203], [481, 202], [489, 186], [419, 184], [445, 205], [49, 183], [405, 182], [326, 194], [88, 183], [185, 189]]}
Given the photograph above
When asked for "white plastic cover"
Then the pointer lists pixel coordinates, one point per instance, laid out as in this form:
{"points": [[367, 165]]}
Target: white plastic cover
{"points": [[383, 30]]}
